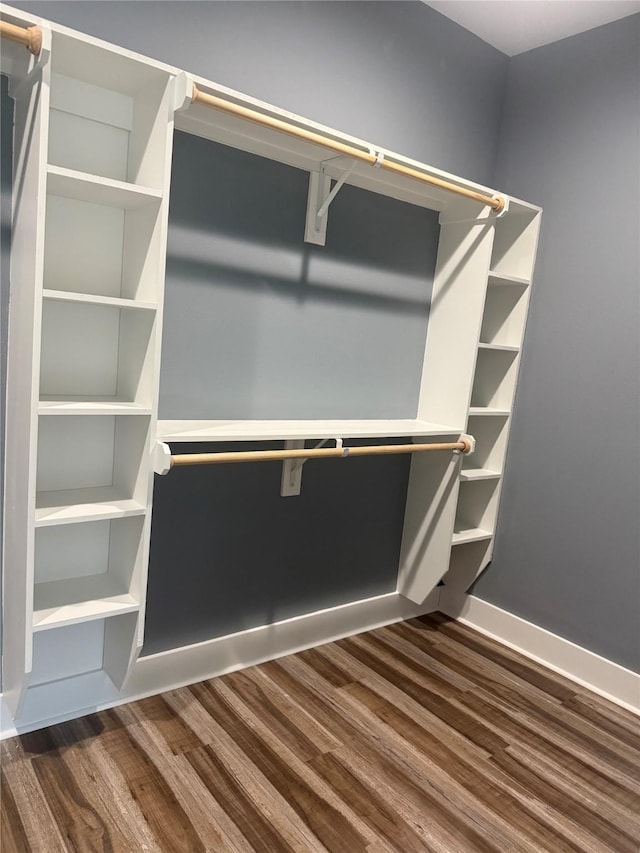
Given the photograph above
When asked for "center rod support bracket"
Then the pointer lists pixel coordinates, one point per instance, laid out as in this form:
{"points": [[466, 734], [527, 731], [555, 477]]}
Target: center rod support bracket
{"points": [[291, 482], [319, 198]]}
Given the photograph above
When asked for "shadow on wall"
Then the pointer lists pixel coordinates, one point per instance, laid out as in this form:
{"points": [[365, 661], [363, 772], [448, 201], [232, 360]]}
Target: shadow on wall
{"points": [[276, 328]]}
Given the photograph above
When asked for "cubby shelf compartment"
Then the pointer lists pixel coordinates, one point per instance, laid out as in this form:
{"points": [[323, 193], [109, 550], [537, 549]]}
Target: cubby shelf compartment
{"points": [[303, 429], [515, 240], [96, 351], [67, 602], [495, 379], [504, 316], [94, 299], [87, 571], [104, 111], [462, 535], [476, 510], [102, 240], [491, 443], [90, 467]]}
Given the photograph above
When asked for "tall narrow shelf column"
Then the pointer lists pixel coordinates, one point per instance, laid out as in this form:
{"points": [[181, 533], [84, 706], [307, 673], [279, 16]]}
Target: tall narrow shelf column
{"points": [[508, 286], [95, 130]]}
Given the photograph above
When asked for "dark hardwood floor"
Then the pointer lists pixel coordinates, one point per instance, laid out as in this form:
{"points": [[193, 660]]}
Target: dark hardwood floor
{"points": [[422, 736]]}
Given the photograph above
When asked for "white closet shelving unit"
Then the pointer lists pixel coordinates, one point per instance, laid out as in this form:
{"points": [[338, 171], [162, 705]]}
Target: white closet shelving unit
{"points": [[93, 137], [501, 335]]}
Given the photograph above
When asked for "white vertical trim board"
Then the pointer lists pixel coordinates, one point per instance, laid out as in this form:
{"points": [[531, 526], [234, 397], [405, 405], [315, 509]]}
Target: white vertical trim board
{"points": [[66, 699], [586, 668]]}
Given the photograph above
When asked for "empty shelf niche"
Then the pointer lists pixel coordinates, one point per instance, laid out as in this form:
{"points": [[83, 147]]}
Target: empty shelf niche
{"points": [[468, 560], [505, 312], [84, 648], [96, 352], [109, 114], [491, 444], [91, 466], [515, 240], [87, 571], [476, 511], [495, 379], [96, 244]]}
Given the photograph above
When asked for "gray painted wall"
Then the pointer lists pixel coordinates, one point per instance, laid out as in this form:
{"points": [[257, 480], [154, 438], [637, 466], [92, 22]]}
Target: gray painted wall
{"points": [[259, 324], [567, 548], [395, 73]]}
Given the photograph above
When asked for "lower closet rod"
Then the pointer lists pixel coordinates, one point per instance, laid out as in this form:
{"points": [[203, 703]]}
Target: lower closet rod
{"points": [[31, 38], [324, 452]]}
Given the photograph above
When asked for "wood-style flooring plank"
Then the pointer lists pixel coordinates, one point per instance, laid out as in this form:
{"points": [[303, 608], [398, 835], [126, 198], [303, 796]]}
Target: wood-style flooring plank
{"points": [[420, 736]]}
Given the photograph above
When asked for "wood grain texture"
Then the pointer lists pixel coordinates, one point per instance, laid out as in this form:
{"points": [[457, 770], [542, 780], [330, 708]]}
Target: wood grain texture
{"points": [[421, 736]]}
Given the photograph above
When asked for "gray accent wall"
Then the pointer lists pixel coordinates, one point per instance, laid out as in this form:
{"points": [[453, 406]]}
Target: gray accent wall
{"points": [[397, 74], [259, 324], [567, 546]]}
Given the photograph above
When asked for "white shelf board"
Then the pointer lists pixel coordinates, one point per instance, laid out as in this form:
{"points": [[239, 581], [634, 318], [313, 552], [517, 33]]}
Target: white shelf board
{"points": [[67, 602], [498, 347], [280, 430], [469, 534], [479, 474], [497, 279], [97, 190], [93, 299], [76, 505], [90, 406], [476, 411]]}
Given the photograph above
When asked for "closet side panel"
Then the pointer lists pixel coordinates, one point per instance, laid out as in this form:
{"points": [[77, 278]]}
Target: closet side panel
{"points": [[23, 356]]}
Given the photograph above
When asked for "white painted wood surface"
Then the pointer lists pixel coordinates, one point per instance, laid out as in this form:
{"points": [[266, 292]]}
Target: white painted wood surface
{"points": [[23, 361]]}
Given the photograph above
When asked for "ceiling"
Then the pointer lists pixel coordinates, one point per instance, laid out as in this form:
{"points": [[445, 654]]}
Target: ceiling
{"points": [[514, 26]]}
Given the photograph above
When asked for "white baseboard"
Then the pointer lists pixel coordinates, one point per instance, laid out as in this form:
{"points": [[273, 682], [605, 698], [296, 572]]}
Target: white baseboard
{"points": [[47, 704], [586, 668]]}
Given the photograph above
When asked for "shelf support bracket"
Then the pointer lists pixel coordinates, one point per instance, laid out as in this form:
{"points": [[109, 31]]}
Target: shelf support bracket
{"points": [[291, 483], [319, 198]]}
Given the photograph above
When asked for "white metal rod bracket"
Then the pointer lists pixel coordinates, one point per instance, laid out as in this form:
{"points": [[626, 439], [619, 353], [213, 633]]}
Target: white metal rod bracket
{"points": [[319, 198], [291, 483]]}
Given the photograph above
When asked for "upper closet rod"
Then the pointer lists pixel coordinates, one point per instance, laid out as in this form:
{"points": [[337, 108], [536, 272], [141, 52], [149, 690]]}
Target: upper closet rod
{"points": [[31, 38], [369, 157], [465, 445]]}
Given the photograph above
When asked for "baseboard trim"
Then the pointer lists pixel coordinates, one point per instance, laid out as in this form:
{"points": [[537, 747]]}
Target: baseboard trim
{"points": [[586, 668], [56, 702]]}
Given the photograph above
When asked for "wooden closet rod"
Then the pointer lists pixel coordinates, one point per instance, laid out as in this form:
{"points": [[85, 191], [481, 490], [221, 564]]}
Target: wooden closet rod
{"points": [[30, 37], [369, 157], [312, 453]]}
